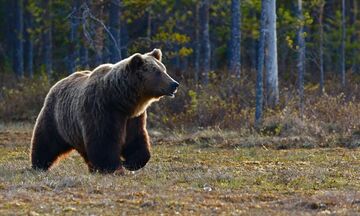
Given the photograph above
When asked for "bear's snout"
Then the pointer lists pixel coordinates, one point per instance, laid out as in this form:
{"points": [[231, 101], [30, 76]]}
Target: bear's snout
{"points": [[173, 88], [175, 85]]}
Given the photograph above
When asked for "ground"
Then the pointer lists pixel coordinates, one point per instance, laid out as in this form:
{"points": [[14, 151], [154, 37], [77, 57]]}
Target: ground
{"points": [[184, 177]]}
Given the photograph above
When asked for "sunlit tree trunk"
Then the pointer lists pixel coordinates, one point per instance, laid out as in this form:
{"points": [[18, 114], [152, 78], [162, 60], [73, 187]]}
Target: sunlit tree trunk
{"points": [[342, 49], [271, 66], [235, 44], [260, 66], [19, 47]]}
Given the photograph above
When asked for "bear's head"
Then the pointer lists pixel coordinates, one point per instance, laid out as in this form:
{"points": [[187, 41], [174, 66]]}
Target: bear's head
{"points": [[149, 77], [151, 72]]}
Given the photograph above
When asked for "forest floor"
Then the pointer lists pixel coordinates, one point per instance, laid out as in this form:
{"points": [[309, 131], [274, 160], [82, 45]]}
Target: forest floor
{"points": [[184, 178]]}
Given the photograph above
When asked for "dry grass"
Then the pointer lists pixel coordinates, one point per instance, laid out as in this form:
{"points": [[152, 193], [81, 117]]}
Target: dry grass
{"points": [[188, 174]]}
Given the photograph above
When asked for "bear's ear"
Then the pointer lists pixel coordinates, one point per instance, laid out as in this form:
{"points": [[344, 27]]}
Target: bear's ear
{"points": [[136, 61], [156, 53]]}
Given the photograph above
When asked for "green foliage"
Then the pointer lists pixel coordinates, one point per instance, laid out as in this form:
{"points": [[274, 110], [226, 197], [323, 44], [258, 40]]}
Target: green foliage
{"points": [[173, 28], [192, 107]]}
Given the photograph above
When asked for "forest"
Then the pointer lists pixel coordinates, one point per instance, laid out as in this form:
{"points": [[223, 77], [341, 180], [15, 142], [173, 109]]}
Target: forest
{"points": [[266, 119]]}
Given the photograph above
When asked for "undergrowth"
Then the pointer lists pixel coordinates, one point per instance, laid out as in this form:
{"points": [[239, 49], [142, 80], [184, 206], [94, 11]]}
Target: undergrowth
{"points": [[226, 103]]}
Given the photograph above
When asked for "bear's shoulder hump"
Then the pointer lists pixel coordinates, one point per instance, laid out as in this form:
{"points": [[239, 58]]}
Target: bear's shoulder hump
{"points": [[102, 69]]}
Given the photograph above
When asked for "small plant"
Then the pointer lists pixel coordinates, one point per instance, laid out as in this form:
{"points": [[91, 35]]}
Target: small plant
{"points": [[272, 129]]}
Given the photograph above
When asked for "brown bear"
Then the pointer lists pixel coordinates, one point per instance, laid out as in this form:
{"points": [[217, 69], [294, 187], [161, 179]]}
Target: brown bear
{"points": [[102, 114]]}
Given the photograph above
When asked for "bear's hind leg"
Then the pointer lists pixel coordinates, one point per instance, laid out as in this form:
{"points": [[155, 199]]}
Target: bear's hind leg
{"points": [[46, 146]]}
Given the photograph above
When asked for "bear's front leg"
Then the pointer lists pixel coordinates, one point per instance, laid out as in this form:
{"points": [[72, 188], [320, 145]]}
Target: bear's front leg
{"points": [[136, 151], [103, 143]]}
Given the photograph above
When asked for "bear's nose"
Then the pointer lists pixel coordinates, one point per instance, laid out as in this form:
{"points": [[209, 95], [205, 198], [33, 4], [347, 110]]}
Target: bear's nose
{"points": [[174, 85]]}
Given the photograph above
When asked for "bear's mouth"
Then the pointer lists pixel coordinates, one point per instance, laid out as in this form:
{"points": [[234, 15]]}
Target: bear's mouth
{"points": [[172, 94]]}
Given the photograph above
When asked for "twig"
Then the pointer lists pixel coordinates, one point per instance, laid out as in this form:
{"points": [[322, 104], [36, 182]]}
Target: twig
{"points": [[88, 13]]}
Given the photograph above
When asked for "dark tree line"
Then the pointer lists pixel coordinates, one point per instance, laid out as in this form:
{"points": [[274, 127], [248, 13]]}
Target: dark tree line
{"points": [[295, 41]]}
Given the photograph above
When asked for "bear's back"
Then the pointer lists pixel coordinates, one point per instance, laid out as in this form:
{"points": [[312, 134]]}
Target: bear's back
{"points": [[101, 71], [84, 73], [69, 95]]}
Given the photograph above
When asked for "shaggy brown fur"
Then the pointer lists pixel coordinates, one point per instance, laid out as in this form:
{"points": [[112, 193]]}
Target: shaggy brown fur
{"points": [[102, 114]]}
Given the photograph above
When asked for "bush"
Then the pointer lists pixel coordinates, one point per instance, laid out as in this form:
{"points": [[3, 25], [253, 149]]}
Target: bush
{"points": [[22, 101]]}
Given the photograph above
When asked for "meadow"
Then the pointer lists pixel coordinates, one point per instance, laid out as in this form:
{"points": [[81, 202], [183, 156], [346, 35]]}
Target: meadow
{"points": [[189, 173]]}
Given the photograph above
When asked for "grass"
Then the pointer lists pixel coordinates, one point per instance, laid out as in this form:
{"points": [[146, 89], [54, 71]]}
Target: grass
{"points": [[185, 176]]}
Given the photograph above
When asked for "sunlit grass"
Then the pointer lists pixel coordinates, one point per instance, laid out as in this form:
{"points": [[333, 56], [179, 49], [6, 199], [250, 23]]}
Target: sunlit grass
{"points": [[183, 177]]}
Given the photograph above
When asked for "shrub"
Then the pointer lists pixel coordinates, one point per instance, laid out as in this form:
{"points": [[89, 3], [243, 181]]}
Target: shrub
{"points": [[22, 101]]}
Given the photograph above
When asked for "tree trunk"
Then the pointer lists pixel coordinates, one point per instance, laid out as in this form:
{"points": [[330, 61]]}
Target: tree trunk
{"points": [[197, 42], [177, 60], [19, 47], [206, 40], [10, 34], [114, 26], [301, 57], [353, 9], [342, 49], [260, 66], [74, 51], [84, 56], [271, 57], [48, 39], [124, 40], [149, 21], [99, 35], [29, 44], [321, 47], [235, 41]]}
